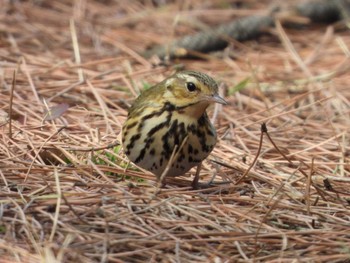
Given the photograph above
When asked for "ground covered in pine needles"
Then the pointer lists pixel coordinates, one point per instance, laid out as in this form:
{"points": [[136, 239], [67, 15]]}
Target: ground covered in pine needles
{"points": [[67, 191]]}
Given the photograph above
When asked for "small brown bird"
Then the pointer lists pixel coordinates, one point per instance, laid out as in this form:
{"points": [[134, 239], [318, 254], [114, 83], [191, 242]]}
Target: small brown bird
{"points": [[167, 131]]}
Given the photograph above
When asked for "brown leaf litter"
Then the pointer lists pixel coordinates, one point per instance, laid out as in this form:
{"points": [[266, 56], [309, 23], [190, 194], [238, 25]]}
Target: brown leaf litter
{"points": [[67, 192]]}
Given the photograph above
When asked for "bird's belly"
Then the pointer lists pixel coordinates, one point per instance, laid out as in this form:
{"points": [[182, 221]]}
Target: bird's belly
{"points": [[189, 143], [186, 155]]}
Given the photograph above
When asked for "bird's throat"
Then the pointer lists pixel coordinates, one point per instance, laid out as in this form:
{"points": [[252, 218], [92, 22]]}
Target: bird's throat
{"points": [[194, 111]]}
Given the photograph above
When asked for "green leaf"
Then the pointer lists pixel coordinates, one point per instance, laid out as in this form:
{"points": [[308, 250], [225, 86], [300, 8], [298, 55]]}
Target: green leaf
{"points": [[241, 85], [2, 229], [146, 85]]}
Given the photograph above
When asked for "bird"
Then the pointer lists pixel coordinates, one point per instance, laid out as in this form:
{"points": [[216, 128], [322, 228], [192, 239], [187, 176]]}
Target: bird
{"points": [[167, 130]]}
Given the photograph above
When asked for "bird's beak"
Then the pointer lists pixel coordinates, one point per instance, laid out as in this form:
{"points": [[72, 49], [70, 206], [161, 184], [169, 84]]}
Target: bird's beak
{"points": [[217, 99]]}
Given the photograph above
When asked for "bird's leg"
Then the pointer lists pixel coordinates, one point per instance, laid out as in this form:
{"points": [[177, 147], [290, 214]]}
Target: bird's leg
{"points": [[161, 181], [196, 177]]}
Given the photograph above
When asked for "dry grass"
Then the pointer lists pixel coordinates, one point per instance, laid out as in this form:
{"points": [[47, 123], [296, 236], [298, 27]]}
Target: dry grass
{"points": [[65, 192]]}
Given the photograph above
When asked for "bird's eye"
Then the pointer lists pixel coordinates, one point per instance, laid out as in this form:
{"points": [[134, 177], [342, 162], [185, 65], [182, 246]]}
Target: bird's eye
{"points": [[191, 86]]}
